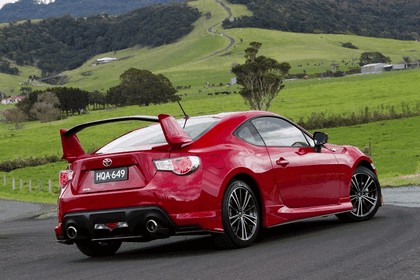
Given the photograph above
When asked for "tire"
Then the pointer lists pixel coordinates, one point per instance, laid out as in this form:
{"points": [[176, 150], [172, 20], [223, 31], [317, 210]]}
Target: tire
{"points": [[240, 216], [365, 195], [98, 249]]}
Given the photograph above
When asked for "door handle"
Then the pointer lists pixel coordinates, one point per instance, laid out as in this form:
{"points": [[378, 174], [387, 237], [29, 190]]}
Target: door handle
{"points": [[282, 162]]}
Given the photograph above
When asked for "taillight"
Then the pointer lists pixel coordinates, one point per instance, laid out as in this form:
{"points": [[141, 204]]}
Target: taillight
{"points": [[179, 166], [65, 177]]}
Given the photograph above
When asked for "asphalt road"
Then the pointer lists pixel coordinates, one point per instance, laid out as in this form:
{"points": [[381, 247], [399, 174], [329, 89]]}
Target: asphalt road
{"points": [[386, 247]]}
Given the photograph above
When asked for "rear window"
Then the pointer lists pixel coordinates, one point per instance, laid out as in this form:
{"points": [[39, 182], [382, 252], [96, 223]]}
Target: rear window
{"points": [[147, 137]]}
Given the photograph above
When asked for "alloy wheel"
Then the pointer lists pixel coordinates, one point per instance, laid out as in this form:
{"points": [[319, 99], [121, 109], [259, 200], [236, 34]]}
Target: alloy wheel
{"points": [[363, 194], [243, 213]]}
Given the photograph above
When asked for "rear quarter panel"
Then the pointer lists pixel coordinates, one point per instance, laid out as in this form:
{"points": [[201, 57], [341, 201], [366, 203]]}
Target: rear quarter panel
{"points": [[227, 157]]}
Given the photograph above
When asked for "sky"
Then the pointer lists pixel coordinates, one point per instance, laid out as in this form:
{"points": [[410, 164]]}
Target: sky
{"points": [[2, 2]]}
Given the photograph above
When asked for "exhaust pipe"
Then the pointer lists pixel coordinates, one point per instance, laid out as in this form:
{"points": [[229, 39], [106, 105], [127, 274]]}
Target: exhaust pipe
{"points": [[152, 226], [71, 232]]}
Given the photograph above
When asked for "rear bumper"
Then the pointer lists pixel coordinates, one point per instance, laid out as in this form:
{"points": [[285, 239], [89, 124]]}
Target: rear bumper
{"points": [[127, 224]]}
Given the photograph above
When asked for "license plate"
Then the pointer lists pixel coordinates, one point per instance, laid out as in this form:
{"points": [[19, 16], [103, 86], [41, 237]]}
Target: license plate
{"points": [[110, 175]]}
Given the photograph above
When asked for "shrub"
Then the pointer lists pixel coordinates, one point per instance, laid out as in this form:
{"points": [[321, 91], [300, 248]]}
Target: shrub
{"points": [[349, 46]]}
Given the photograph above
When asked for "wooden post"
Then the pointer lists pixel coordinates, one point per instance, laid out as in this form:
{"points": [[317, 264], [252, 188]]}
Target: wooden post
{"points": [[30, 185], [39, 185], [13, 184], [21, 184], [4, 180], [49, 186]]}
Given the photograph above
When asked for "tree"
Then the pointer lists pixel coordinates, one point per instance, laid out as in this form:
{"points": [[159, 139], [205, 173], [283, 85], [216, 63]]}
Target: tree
{"points": [[96, 99], [25, 90], [72, 100], [16, 116], [261, 77], [373, 57], [349, 45], [46, 108], [142, 87], [26, 104], [6, 68], [407, 59]]}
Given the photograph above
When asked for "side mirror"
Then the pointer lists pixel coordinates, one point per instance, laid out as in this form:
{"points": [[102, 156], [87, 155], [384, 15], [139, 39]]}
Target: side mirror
{"points": [[320, 138]]}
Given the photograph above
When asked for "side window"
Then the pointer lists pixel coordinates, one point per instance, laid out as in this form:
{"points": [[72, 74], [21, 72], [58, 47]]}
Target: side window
{"points": [[248, 133], [279, 132]]}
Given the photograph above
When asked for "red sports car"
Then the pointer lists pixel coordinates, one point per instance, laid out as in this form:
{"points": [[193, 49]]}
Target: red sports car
{"points": [[229, 174]]}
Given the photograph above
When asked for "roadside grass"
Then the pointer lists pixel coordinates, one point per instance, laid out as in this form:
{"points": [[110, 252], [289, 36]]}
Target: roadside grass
{"points": [[36, 178], [26, 196]]}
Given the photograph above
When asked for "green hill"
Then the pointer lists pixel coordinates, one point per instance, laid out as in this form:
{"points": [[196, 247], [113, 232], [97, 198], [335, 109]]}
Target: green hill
{"points": [[189, 61], [195, 60], [63, 43]]}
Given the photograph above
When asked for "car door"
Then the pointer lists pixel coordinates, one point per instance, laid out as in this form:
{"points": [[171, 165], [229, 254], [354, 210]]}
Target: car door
{"points": [[305, 178]]}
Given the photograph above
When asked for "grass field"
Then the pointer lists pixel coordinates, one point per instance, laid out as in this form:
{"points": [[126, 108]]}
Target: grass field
{"points": [[395, 149], [395, 152], [189, 62], [394, 142], [298, 99]]}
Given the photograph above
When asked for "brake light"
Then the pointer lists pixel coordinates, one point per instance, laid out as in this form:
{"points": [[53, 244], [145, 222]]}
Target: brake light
{"points": [[179, 166], [65, 177]]}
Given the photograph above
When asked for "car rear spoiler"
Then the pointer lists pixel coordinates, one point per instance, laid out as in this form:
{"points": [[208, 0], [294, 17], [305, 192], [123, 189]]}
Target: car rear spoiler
{"points": [[72, 148]]}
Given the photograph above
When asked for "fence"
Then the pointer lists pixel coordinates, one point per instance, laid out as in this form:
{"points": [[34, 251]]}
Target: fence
{"points": [[29, 185]]}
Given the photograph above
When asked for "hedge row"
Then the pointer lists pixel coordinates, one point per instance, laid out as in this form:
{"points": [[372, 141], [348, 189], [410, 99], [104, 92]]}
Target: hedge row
{"points": [[10, 165], [319, 120]]}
